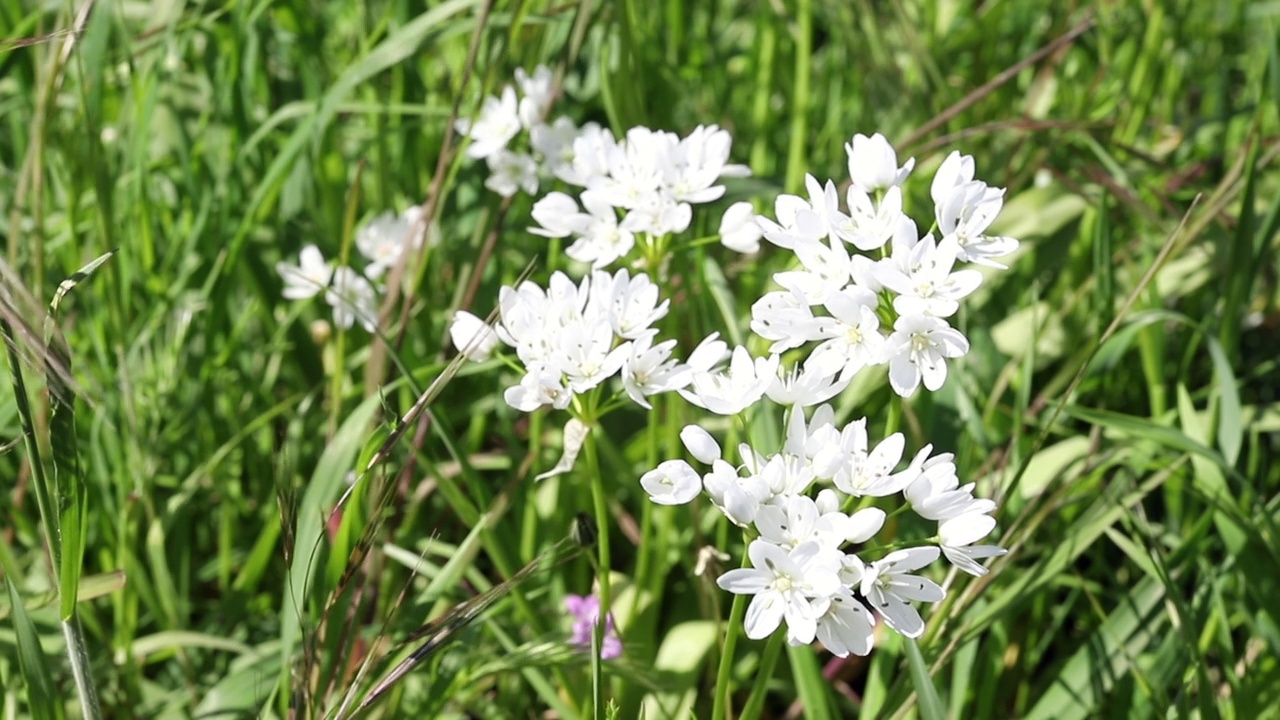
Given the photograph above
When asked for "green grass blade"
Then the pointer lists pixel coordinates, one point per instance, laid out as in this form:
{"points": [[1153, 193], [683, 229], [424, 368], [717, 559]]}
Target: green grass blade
{"points": [[931, 706], [42, 699], [69, 484], [813, 689]]}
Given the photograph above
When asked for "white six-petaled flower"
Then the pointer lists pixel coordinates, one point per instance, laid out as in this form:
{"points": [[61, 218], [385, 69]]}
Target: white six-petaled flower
{"points": [[795, 585]]}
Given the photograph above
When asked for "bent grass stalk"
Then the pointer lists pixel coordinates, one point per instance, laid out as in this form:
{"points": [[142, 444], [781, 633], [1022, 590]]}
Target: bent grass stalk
{"points": [[65, 548], [445, 629]]}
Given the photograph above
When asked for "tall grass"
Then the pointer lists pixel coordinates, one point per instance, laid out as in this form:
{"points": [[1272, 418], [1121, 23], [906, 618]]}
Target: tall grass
{"points": [[1119, 398]]}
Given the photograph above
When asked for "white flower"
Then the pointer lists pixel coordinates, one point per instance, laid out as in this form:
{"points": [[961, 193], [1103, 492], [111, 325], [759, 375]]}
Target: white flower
{"points": [[700, 444], [795, 586], [710, 352], [650, 370], [808, 440], [539, 386], [798, 220], [824, 200], [966, 214], [806, 384], [888, 585], [691, 169], [353, 299], [860, 471], [738, 497], [785, 475], [735, 389], [674, 482], [826, 270], [864, 524], [936, 493], [925, 282], [554, 143], [866, 272], [538, 91], [630, 303], [308, 278], [586, 355], [472, 336], [856, 528], [599, 239], [591, 151], [873, 163], [918, 350], [957, 537], [634, 168], [871, 224], [499, 121], [955, 171], [510, 172], [523, 315], [853, 333], [784, 317], [659, 213], [739, 230], [847, 626], [796, 519], [383, 240]]}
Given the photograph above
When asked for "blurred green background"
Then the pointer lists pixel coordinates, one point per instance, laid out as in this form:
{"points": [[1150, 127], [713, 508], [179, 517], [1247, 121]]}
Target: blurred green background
{"points": [[1119, 400]]}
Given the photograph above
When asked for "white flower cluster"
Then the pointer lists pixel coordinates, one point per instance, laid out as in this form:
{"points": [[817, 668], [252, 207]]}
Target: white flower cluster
{"points": [[650, 178], [502, 118], [642, 185], [893, 309], [802, 570], [354, 295], [571, 338]]}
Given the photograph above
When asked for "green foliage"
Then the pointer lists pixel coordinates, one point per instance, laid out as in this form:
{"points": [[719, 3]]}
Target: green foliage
{"points": [[1119, 399]]}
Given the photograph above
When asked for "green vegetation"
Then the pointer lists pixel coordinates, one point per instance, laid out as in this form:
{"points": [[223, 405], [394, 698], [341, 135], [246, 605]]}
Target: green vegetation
{"points": [[1119, 400]]}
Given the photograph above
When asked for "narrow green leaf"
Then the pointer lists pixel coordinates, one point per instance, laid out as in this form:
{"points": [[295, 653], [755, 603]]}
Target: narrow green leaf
{"points": [[1230, 422], [323, 489], [42, 699], [68, 484], [931, 707], [1080, 688], [1236, 285], [724, 299], [1104, 284], [811, 686]]}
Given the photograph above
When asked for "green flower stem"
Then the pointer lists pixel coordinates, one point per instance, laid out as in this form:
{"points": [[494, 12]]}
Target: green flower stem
{"points": [[647, 549], [760, 689], [725, 671], [643, 561], [801, 100], [894, 416], [937, 619], [601, 511], [604, 568]]}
